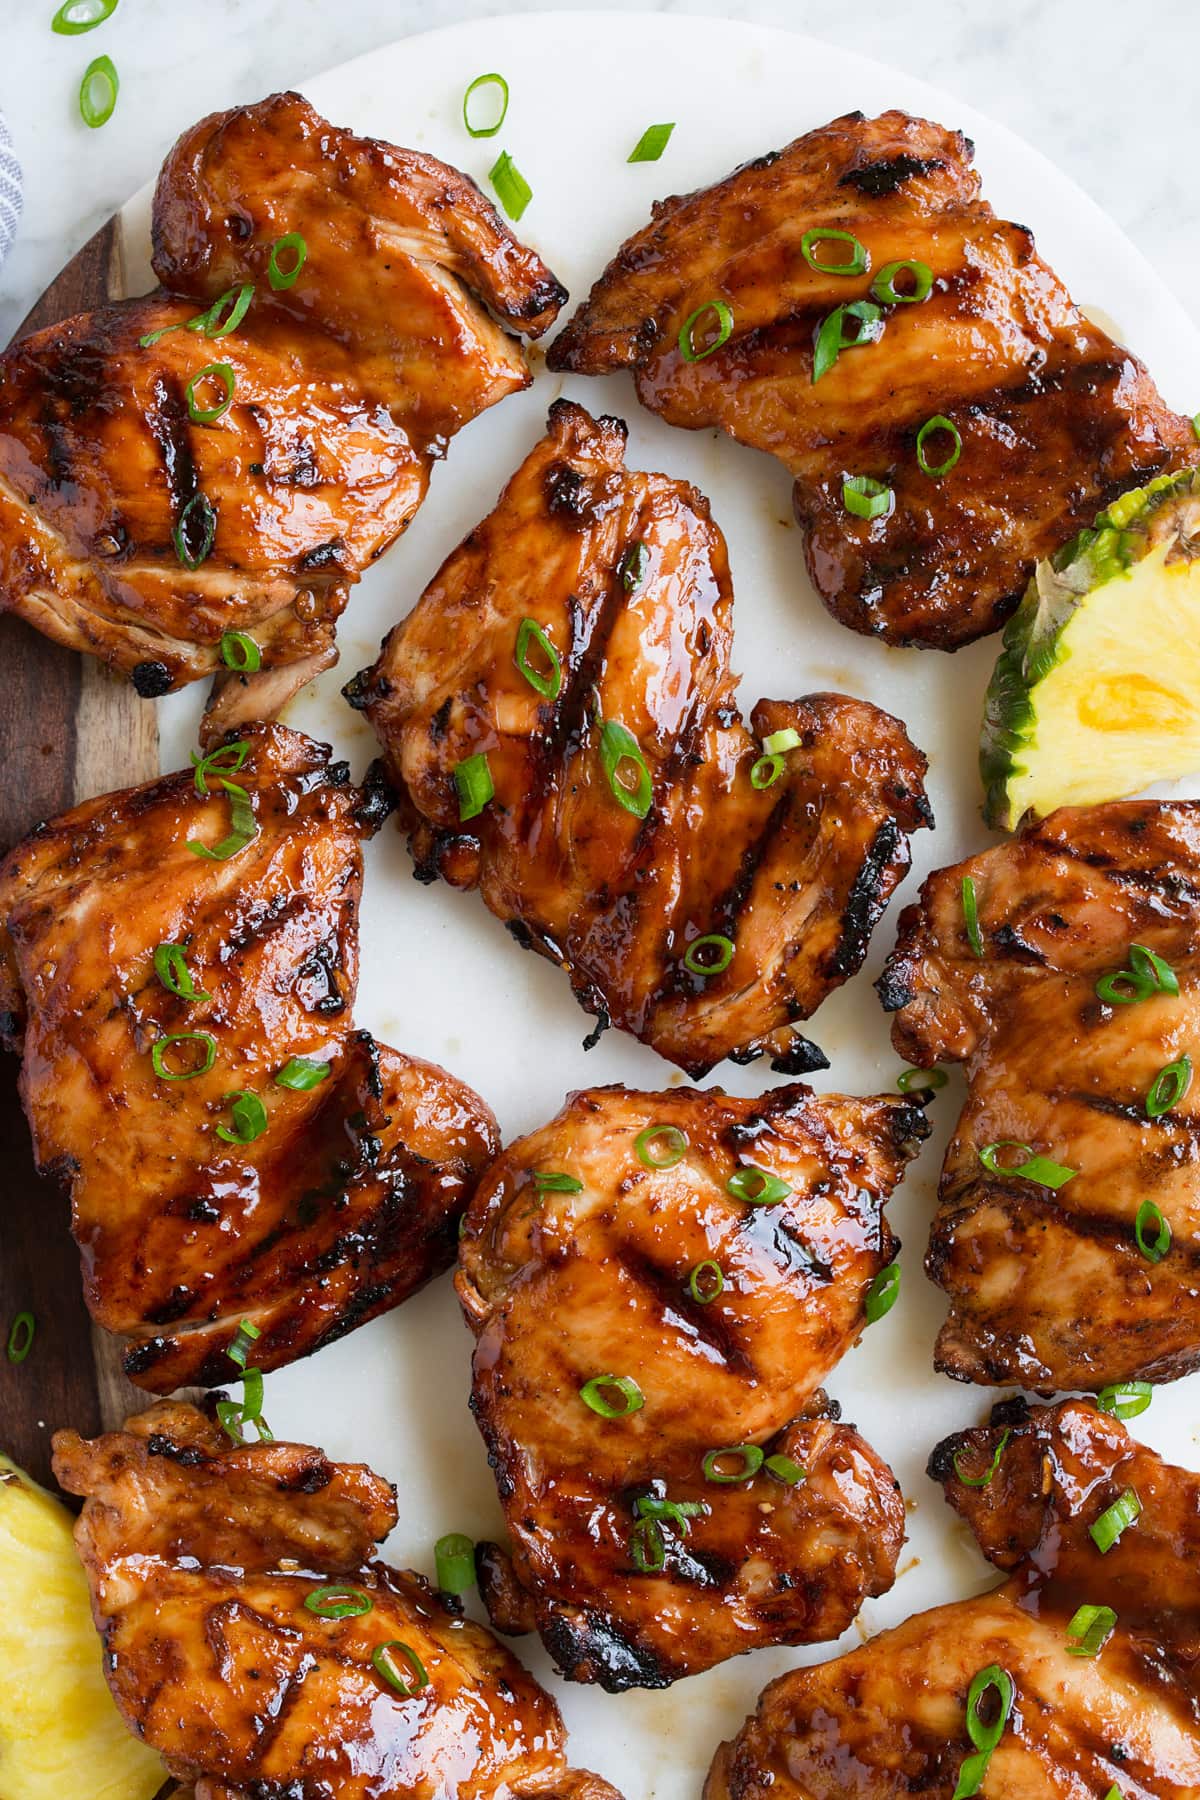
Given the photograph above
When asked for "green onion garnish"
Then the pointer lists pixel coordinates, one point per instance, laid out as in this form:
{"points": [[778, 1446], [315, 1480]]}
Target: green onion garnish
{"points": [[483, 81], [1089, 1630], [688, 346], [594, 1393], [929, 429], [1125, 1399], [454, 1556], [77, 16], [883, 1293], [785, 1470], [98, 92], [1196, 426], [706, 1281], [661, 1146], [20, 1338], [240, 652], [1031, 1168], [249, 1118], [300, 1073], [832, 337], [244, 827], [970, 906], [651, 144], [513, 190], [209, 323], [867, 498], [227, 759], [985, 1737], [1114, 1520], [757, 1187], [548, 681], [338, 1602], [293, 245], [647, 1547], [989, 1474], [633, 565], [170, 965], [247, 1336], [554, 1181], [208, 415], [769, 767], [1147, 974], [625, 768], [708, 955], [677, 1512], [233, 1417], [194, 541], [751, 1462], [915, 1080], [473, 781], [1150, 1220], [1169, 1087], [857, 263], [159, 1050], [884, 285]]}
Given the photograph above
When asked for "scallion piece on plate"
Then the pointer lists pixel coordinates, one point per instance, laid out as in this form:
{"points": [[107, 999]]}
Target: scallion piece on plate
{"points": [[911, 1081], [249, 1118], [651, 144], [293, 248], [247, 1336], [1031, 1168], [20, 1337], [970, 906], [1125, 1399], [757, 1187], [866, 498], [454, 1557], [556, 1181], [985, 1735], [612, 1396], [486, 129], [698, 337], [243, 827], [512, 189], [1152, 1232], [883, 1293], [226, 759], [170, 965], [931, 428], [856, 263], [848, 327], [989, 1474], [661, 1146], [206, 1057], [300, 1073], [240, 652], [706, 1281], [625, 768], [784, 1469], [708, 955], [888, 294], [1115, 1519], [195, 530], [474, 785], [98, 92], [546, 680], [208, 415], [1169, 1087], [77, 16], [338, 1602], [751, 1461]]}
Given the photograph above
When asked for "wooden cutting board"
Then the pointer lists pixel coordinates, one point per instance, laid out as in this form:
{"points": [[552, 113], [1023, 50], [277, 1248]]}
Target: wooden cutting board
{"points": [[68, 730]]}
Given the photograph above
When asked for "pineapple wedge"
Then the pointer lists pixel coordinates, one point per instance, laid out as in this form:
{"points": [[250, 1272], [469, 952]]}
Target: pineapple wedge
{"points": [[61, 1735]]}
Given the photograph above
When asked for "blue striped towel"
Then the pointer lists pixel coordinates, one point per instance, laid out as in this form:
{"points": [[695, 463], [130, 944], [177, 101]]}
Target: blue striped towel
{"points": [[10, 190]]}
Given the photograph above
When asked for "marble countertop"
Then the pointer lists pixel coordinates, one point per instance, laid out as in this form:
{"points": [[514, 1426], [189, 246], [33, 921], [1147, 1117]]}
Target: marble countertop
{"points": [[1109, 100]]}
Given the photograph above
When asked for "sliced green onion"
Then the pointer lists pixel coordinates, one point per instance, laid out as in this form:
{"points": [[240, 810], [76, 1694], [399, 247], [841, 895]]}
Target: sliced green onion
{"points": [[208, 415], [77, 16], [199, 507], [757, 1187], [1033, 1168], [547, 683], [473, 781], [159, 1050], [633, 565], [170, 965], [985, 1737], [751, 1462], [227, 759], [98, 92], [619, 749], [483, 81], [512, 189], [651, 144], [338, 1602], [1125, 1399], [831, 336], [785, 1470], [1150, 1220], [688, 347], [1147, 966], [931, 426], [915, 1080], [1169, 1087], [594, 1393], [647, 1547], [292, 244], [867, 498], [209, 323], [708, 955], [857, 263], [554, 1181], [883, 1293], [1114, 1520], [1147, 974], [884, 285], [778, 743], [244, 827], [20, 1337], [152, 337], [454, 1556], [240, 652], [706, 1282], [249, 1118], [970, 906], [247, 1336], [769, 767], [678, 1512], [661, 1146], [300, 1073], [989, 1474]]}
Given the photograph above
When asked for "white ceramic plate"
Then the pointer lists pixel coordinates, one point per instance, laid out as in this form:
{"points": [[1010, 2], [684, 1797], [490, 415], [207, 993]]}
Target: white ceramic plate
{"points": [[441, 977]]}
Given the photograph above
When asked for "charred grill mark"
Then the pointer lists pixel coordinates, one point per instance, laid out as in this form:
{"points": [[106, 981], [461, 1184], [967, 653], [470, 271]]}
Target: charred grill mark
{"points": [[868, 896], [673, 1302], [876, 179], [168, 424], [586, 1646]]}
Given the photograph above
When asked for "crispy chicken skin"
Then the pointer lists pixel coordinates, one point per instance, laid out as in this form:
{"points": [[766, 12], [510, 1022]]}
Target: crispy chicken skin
{"points": [[889, 1720], [348, 1201], [348, 384], [628, 576], [1048, 1288], [763, 1562], [200, 1558], [1055, 418]]}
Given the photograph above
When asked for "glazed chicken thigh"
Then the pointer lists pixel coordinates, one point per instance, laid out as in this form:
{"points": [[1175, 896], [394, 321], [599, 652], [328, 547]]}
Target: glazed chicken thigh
{"points": [[161, 486], [254, 1640], [1114, 1712], [727, 306], [234, 1147], [573, 656], [658, 1284], [1075, 1013]]}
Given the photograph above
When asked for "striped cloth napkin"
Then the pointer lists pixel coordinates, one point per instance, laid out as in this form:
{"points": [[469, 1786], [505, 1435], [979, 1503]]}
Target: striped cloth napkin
{"points": [[10, 190]]}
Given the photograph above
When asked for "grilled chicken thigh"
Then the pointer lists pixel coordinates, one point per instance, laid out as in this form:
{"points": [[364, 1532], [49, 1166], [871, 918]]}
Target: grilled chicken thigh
{"points": [[891, 1719], [606, 1268], [246, 1152], [343, 387], [206, 1563], [1081, 1283], [1054, 418], [626, 839]]}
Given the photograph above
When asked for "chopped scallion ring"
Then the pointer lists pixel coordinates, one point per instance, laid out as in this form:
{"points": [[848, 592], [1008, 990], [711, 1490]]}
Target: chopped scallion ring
{"points": [[1147, 974], [194, 540], [546, 681], [512, 189], [751, 1462], [778, 743], [989, 1474], [249, 1118], [884, 285], [866, 498], [633, 565], [833, 334], [1089, 1630], [765, 772], [338, 1602], [292, 245], [1114, 1520], [98, 92], [247, 1336], [857, 263], [454, 1556], [625, 768], [240, 652], [970, 906], [706, 1282], [678, 1512], [244, 827], [485, 81], [554, 1181], [300, 1073], [883, 1293], [1152, 1232], [1031, 1168], [594, 1393], [647, 1547], [158, 1051], [474, 784], [757, 1187], [769, 767], [984, 1736], [914, 1080], [226, 759], [1125, 1399], [1169, 1087], [20, 1337], [209, 323], [930, 429], [651, 144], [77, 16], [690, 346], [661, 1146], [708, 955], [170, 965], [208, 415], [785, 1470]]}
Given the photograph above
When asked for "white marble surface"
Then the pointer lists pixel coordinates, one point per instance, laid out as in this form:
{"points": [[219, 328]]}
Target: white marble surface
{"points": [[1105, 94]]}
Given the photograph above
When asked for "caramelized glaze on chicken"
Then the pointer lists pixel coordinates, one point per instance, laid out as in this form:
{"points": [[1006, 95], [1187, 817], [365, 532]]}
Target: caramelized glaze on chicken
{"points": [[346, 385], [1048, 1286], [626, 578], [201, 1559], [1054, 418], [890, 1720], [636, 1563], [347, 1199]]}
